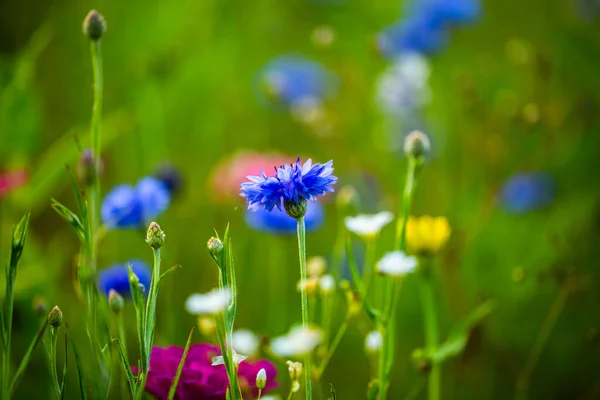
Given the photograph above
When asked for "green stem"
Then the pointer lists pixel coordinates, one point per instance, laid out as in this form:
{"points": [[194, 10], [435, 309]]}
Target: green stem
{"points": [[21, 369], [334, 344], [53, 370], [427, 292], [304, 298], [11, 274], [95, 135]]}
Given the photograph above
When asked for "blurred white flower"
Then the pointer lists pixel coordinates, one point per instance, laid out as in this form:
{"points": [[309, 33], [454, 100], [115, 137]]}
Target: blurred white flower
{"points": [[315, 266], [326, 284], [245, 341], [237, 359], [299, 341], [396, 263], [368, 224], [403, 88], [212, 302], [373, 341], [270, 397]]}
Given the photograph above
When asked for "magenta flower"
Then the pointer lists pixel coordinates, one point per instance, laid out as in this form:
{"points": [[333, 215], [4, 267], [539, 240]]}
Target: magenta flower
{"points": [[199, 379]]}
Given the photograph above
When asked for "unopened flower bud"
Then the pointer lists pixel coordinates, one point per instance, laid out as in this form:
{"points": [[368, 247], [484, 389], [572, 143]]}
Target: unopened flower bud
{"points": [[295, 369], [215, 246], [115, 301], [94, 25], [315, 266], [261, 379], [86, 168], [155, 237], [417, 145], [55, 317], [296, 209]]}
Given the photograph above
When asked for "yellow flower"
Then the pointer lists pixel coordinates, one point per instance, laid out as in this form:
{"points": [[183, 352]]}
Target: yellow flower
{"points": [[426, 235]]}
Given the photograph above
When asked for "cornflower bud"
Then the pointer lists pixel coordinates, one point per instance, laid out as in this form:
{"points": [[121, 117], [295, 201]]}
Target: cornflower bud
{"points": [[115, 301], [417, 145], [296, 209], [261, 379], [55, 317], [155, 237], [215, 246], [94, 25]]}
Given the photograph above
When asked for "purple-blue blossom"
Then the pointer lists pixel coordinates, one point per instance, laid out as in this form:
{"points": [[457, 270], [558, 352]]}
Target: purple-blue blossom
{"points": [[526, 192], [116, 277], [291, 183], [128, 207]]}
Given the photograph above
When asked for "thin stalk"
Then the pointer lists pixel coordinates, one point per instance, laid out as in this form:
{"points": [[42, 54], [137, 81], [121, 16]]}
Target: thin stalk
{"points": [[95, 137], [431, 331], [334, 344], [304, 299], [53, 370], [21, 369], [11, 273]]}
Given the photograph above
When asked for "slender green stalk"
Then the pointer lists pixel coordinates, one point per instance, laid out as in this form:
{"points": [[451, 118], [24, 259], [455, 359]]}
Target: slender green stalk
{"points": [[428, 302], [21, 369], [386, 357], [304, 299], [95, 138], [53, 370], [334, 344]]}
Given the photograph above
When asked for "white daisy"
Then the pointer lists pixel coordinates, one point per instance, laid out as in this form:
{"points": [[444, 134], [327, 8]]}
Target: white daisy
{"points": [[212, 302], [396, 263], [298, 341], [245, 341], [368, 224]]}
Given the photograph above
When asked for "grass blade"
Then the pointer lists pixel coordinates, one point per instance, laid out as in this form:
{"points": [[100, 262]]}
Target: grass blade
{"points": [[173, 388], [126, 366], [80, 377], [63, 385], [36, 340]]}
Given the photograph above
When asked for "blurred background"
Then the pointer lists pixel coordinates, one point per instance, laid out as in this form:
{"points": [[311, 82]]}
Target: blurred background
{"points": [[208, 91]]}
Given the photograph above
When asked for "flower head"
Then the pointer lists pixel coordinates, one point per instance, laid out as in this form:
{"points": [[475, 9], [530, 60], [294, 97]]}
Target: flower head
{"points": [[116, 277], [245, 341], [212, 302], [291, 185], [135, 207], [396, 264], [288, 80], [527, 192], [297, 342], [368, 225], [426, 235], [278, 222], [199, 379]]}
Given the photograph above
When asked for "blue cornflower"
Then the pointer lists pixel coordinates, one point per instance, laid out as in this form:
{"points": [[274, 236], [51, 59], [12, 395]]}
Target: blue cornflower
{"points": [[116, 277], [135, 207], [280, 223], [291, 79], [447, 12], [170, 176], [292, 185], [525, 192]]}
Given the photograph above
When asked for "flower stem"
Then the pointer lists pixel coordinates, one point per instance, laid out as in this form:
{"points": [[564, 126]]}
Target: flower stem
{"points": [[53, 371], [334, 344], [427, 292], [304, 297], [95, 138], [386, 357]]}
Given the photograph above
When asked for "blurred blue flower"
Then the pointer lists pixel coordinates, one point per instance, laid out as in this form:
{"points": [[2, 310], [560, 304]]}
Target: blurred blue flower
{"points": [[290, 183], [135, 207], [170, 176], [116, 277], [280, 223], [425, 26], [525, 192], [289, 79]]}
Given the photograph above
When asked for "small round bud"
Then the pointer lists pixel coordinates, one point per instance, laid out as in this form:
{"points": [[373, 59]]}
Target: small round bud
{"points": [[373, 342], [315, 266], [155, 237], [39, 306], [94, 25], [295, 370], [86, 168], [417, 145], [261, 379], [296, 209], [115, 301], [55, 317], [215, 246]]}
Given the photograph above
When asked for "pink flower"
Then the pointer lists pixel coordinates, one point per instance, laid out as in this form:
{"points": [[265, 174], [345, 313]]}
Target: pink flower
{"points": [[227, 175], [199, 379], [11, 180]]}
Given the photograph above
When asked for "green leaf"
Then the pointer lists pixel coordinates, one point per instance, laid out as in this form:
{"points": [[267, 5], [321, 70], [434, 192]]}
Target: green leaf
{"points": [[332, 390], [63, 385], [167, 272], [231, 266], [173, 388], [80, 377], [457, 339], [23, 365], [126, 366], [71, 218]]}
